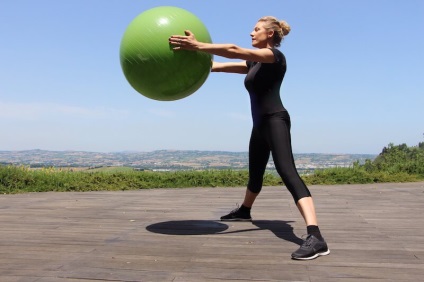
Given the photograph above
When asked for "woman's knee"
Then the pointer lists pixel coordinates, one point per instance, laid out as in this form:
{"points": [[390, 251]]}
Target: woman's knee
{"points": [[299, 192]]}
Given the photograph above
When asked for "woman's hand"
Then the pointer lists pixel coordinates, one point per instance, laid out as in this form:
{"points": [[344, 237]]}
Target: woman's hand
{"points": [[187, 42]]}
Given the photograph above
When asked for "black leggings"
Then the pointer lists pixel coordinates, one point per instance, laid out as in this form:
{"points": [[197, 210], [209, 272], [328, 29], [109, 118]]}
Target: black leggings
{"points": [[273, 136]]}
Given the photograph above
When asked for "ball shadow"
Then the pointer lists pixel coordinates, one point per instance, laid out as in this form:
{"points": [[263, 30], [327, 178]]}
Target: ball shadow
{"points": [[281, 229], [187, 227]]}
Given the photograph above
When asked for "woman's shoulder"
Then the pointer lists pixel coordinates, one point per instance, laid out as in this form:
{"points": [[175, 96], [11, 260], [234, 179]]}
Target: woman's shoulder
{"points": [[279, 56], [277, 52]]}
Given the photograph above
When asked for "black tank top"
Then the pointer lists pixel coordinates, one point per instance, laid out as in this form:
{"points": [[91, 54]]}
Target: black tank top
{"points": [[263, 82]]}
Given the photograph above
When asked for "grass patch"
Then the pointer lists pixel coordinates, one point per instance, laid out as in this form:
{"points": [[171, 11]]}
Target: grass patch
{"points": [[22, 179], [352, 175]]}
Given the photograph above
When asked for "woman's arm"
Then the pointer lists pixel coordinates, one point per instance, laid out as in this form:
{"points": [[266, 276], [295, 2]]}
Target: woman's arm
{"points": [[230, 67], [230, 51]]}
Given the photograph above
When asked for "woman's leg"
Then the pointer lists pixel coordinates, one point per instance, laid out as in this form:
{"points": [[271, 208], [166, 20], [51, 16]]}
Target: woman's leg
{"points": [[307, 210], [249, 198], [258, 158], [278, 135]]}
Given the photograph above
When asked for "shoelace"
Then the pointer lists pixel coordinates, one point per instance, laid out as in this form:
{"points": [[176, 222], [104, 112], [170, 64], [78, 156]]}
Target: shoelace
{"points": [[236, 209], [307, 240]]}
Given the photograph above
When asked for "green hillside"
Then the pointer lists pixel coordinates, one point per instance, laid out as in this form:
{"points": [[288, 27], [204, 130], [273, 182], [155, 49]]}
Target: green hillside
{"points": [[396, 163]]}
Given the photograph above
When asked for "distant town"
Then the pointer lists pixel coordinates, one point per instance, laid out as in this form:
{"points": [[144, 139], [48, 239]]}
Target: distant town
{"points": [[167, 159]]}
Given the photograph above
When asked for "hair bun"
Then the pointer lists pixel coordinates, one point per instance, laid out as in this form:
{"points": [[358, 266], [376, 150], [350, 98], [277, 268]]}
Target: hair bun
{"points": [[285, 27]]}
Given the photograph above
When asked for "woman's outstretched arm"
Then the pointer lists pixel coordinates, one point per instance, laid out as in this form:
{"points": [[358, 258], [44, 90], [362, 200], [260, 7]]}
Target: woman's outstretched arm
{"points": [[231, 51], [230, 67]]}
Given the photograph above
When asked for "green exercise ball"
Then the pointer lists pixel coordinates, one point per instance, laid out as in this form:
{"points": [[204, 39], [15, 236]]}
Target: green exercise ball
{"points": [[150, 65]]}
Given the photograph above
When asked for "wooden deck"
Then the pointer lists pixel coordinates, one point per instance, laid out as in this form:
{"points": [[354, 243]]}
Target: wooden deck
{"points": [[375, 233]]}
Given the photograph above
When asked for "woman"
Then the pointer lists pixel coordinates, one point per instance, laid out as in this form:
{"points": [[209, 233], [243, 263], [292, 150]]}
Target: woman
{"points": [[265, 67]]}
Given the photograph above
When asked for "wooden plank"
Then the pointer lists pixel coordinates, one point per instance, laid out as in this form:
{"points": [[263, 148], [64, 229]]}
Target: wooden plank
{"points": [[374, 233]]}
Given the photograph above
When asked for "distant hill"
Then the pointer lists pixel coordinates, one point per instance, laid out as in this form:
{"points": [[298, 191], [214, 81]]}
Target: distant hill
{"points": [[168, 159]]}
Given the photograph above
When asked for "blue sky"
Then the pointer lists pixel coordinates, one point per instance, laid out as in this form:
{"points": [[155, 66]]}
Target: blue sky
{"points": [[354, 81]]}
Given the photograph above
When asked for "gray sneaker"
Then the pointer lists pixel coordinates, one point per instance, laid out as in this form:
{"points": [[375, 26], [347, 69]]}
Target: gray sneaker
{"points": [[311, 248]]}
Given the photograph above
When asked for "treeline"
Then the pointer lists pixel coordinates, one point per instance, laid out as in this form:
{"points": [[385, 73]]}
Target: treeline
{"points": [[396, 163]]}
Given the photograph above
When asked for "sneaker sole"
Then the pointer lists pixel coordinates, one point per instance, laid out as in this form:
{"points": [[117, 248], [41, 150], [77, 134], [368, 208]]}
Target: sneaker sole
{"points": [[237, 219], [314, 256]]}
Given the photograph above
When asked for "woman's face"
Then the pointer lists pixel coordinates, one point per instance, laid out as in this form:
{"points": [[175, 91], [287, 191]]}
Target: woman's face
{"points": [[260, 35]]}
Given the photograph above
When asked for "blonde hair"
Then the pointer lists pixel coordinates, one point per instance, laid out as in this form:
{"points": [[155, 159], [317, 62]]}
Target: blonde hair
{"points": [[280, 28]]}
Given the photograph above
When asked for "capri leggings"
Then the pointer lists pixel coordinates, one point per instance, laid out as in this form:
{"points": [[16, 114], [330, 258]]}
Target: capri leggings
{"points": [[273, 136]]}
